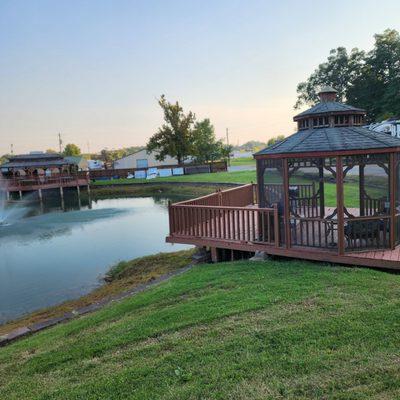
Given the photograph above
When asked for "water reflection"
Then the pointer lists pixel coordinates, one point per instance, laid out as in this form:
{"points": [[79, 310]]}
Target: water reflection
{"points": [[48, 255]]}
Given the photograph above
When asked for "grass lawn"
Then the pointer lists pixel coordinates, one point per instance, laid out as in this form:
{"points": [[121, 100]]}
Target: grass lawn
{"points": [[242, 161], [220, 177], [274, 330], [351, 190]]}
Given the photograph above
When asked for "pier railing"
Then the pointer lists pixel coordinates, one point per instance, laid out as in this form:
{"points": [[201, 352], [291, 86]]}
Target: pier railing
{"points": [[36, 182]]}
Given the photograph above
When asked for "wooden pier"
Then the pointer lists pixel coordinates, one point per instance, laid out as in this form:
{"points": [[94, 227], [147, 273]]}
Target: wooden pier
{"points": [[38, 172]]}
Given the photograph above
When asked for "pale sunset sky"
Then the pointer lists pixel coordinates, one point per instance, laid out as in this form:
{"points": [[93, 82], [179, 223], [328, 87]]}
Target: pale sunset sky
{"points": [[93, 70]]}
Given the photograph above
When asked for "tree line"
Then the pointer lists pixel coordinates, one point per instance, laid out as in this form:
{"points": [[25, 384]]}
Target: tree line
{"points": [[368, 80]]}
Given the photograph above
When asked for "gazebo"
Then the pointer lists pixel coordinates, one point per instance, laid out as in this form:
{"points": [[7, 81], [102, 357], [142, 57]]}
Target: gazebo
{"points": [[39, 171], [328, 192]]}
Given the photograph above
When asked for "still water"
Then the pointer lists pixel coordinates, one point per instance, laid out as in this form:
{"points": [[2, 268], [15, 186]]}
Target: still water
{"points": [[52, 256]]}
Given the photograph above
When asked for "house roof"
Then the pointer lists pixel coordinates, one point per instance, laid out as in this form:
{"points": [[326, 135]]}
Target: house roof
{"points": [[330, 140], [328, 107]]}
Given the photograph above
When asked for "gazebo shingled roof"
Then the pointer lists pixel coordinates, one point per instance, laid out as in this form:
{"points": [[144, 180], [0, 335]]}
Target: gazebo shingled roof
{"points": [[328, 107], [332, 139]]}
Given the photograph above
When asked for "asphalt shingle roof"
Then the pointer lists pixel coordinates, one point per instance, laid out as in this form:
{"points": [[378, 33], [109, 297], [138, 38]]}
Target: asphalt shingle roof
{"points": [[328, 107], [332, 139]]}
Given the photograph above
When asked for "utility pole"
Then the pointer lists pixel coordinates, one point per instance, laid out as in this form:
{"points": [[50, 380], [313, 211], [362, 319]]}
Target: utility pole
{"points": [[88, 147], [227, 143], [60, 142], [12, 149]]}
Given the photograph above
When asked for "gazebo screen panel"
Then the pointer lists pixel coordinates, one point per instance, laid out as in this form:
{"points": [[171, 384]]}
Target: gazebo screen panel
{"points": [[312, 221], [397, 197], [366, 202], [273, 182], [272, 191]]}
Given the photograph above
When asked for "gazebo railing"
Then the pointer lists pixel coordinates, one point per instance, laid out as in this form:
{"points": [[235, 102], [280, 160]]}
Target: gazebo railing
{"points": [[369, 232], [314, 232]]}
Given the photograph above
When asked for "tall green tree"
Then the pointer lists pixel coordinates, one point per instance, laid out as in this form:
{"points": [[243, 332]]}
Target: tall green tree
{"points": [[72, 149], [175, 136], [275, 139], [367, 80], [205, 146], [377, 88]]}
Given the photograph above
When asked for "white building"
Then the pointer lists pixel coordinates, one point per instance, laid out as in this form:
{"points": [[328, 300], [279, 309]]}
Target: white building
{"points": [[390, 127], [142, 159]]}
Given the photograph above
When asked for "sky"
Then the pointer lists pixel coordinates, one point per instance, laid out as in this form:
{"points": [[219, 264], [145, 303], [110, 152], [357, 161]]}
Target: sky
{"points": [[93, 70]]}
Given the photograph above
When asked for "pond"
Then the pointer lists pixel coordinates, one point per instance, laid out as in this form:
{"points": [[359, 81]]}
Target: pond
{"points": [[50, 256]]}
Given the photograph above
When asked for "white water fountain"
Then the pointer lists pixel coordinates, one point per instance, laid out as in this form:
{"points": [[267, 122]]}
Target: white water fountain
{"points": [[9, 213], [3, 203]]}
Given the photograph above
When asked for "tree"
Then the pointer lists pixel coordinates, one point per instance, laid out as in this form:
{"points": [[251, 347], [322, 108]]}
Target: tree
{"points": [[175, 136], [205, 146], [50, 151], [367, 80], [339, 71], [72, 150], [275, 139], [377, 89]]}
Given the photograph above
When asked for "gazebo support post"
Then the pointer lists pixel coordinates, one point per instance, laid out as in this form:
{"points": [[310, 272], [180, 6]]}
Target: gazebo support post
{"points": [[321, 189], [260, 182], [340, 204], [392, 192], [361, 188], [286, 202]]}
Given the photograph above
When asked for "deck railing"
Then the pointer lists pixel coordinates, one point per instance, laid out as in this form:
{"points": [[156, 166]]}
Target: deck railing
{"points": [[229, 215], [236, 197], [240, 224]]}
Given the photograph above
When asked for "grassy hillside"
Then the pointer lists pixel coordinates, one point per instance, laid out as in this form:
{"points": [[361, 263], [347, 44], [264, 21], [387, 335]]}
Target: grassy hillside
{"points": [[275, 330]]}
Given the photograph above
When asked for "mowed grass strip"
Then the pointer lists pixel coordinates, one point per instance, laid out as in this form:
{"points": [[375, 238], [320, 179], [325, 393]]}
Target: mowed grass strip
{"points": [[273, 330], [351, 187]]}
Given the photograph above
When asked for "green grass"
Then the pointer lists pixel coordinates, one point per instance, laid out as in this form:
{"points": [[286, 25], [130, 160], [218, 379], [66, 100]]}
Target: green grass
{"points": [[351, 189], [275, 330], [220, 177], [242, 161]]}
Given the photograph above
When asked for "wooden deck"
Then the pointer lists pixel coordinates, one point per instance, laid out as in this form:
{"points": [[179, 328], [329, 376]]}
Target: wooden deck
{"points": [[232, 220]]}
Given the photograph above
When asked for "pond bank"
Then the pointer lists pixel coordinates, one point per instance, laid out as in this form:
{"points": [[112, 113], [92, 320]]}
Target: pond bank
{"points": [[123, 279]]}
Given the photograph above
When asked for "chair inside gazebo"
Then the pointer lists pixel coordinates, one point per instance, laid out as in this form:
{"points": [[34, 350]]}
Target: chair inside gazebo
{"points": [[312, 191]]}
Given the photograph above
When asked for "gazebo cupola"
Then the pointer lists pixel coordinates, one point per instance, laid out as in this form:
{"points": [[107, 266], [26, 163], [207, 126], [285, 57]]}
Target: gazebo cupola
{"points": [[329, 113]]}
